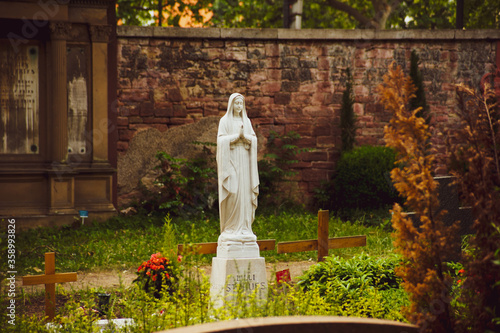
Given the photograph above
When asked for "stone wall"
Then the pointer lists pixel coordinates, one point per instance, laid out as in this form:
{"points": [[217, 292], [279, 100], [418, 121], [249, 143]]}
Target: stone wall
{"points": [[292, 79]]}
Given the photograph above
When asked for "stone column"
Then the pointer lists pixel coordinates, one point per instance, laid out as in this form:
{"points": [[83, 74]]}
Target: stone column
{"points": [[61, 182], [100, 35], [58, 112]]}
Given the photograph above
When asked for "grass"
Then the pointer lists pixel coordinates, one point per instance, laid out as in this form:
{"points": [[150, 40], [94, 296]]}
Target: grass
{"points": [[124, 242]]}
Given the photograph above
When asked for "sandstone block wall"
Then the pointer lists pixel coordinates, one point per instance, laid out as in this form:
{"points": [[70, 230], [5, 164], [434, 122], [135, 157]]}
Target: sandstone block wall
{"points": [[293, 81]]}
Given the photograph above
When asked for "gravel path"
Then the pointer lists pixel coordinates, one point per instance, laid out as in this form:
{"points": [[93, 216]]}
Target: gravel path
{"points": [[111, 279]]}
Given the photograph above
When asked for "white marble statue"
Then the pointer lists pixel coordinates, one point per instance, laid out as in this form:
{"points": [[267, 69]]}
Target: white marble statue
{"points": [[238, 176], [238, 261]]}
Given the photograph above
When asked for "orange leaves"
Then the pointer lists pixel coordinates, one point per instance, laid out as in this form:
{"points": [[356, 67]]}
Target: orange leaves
{"points": [[396, 90], [424, 248]]}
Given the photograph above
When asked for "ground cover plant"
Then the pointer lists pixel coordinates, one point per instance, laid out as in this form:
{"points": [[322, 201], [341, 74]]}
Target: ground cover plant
{"points": [[363, 286], [124, 241], [132, 240], [190, 305]]}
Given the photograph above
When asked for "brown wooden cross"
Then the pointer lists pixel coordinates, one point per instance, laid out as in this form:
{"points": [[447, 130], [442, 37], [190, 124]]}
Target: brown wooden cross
{"points": [[323, 243], [49, 279]]}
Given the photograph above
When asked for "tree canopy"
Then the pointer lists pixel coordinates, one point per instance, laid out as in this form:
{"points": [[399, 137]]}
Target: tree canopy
{"points": [[336, 14]]}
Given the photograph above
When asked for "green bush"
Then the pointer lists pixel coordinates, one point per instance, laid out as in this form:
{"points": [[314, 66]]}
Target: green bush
{"points": [[362, 180], [276, 169], [353, 273], [183, 188], [361, 286], [347, 115]]}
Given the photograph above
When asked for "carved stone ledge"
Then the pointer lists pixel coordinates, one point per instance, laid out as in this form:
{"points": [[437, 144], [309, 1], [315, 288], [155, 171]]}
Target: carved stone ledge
{"points": [[60, 30], [100, 33], [91, 3]]}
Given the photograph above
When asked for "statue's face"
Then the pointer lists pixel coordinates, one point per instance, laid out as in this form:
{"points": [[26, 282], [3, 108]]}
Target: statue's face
{"points": [[238, 105]]}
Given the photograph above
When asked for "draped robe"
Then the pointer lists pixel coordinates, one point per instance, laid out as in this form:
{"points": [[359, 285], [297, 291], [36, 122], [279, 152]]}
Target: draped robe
{"points": [[238, 177]]}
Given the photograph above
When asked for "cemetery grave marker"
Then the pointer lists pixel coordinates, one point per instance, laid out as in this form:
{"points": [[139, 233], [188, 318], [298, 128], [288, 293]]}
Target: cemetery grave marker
{"points": [[49, 279], [450, 201], [323, 243], [283, 276]]}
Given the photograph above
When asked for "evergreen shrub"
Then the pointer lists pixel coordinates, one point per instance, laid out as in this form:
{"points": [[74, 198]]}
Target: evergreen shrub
{"points": [[362, 179]]}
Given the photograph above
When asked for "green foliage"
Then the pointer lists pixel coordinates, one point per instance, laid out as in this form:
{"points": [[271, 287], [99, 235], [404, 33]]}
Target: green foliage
{"points": [[361, 286], [245, 14], [190, 304], [160, 273], [425, 14], [145, 12], [360, 181], [482, 14], [183, 188], [317, 14], [157, 275], [353, 273], [168, 243], [133, 238], [441, 14], [347, 116], [275, 169], [122, 242]]}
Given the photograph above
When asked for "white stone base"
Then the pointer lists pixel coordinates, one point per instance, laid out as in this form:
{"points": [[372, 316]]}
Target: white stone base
{"points": [[119, 323], [238, 250], [231, 274], [101, 324]]}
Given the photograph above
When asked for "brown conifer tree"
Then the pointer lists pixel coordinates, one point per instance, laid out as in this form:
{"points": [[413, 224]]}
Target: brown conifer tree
{"points": [[429, 245]]}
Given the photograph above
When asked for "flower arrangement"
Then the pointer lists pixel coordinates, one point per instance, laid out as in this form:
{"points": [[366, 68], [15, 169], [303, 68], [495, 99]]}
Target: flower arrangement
{"points": [[157, 273]]}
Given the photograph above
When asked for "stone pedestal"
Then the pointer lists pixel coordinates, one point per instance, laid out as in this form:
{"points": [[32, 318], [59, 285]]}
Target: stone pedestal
{"points": [[233, 275], [238, 250]]}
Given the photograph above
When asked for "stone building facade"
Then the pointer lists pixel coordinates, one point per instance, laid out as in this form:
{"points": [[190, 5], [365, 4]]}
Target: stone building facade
{"points": [[293, 80], [57, 82]]}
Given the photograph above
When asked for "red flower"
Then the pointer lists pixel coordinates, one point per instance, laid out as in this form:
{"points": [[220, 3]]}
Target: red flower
{"points": [[461, 271], [458, 282], [179, 258]]}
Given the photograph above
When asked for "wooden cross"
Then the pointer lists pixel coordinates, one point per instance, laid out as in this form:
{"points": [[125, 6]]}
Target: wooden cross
{"points": [[323, 243], [49, 279]]}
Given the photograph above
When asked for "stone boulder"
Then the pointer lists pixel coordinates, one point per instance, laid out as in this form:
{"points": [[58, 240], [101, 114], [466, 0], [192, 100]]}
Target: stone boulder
{"points": [[138, 164]]}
